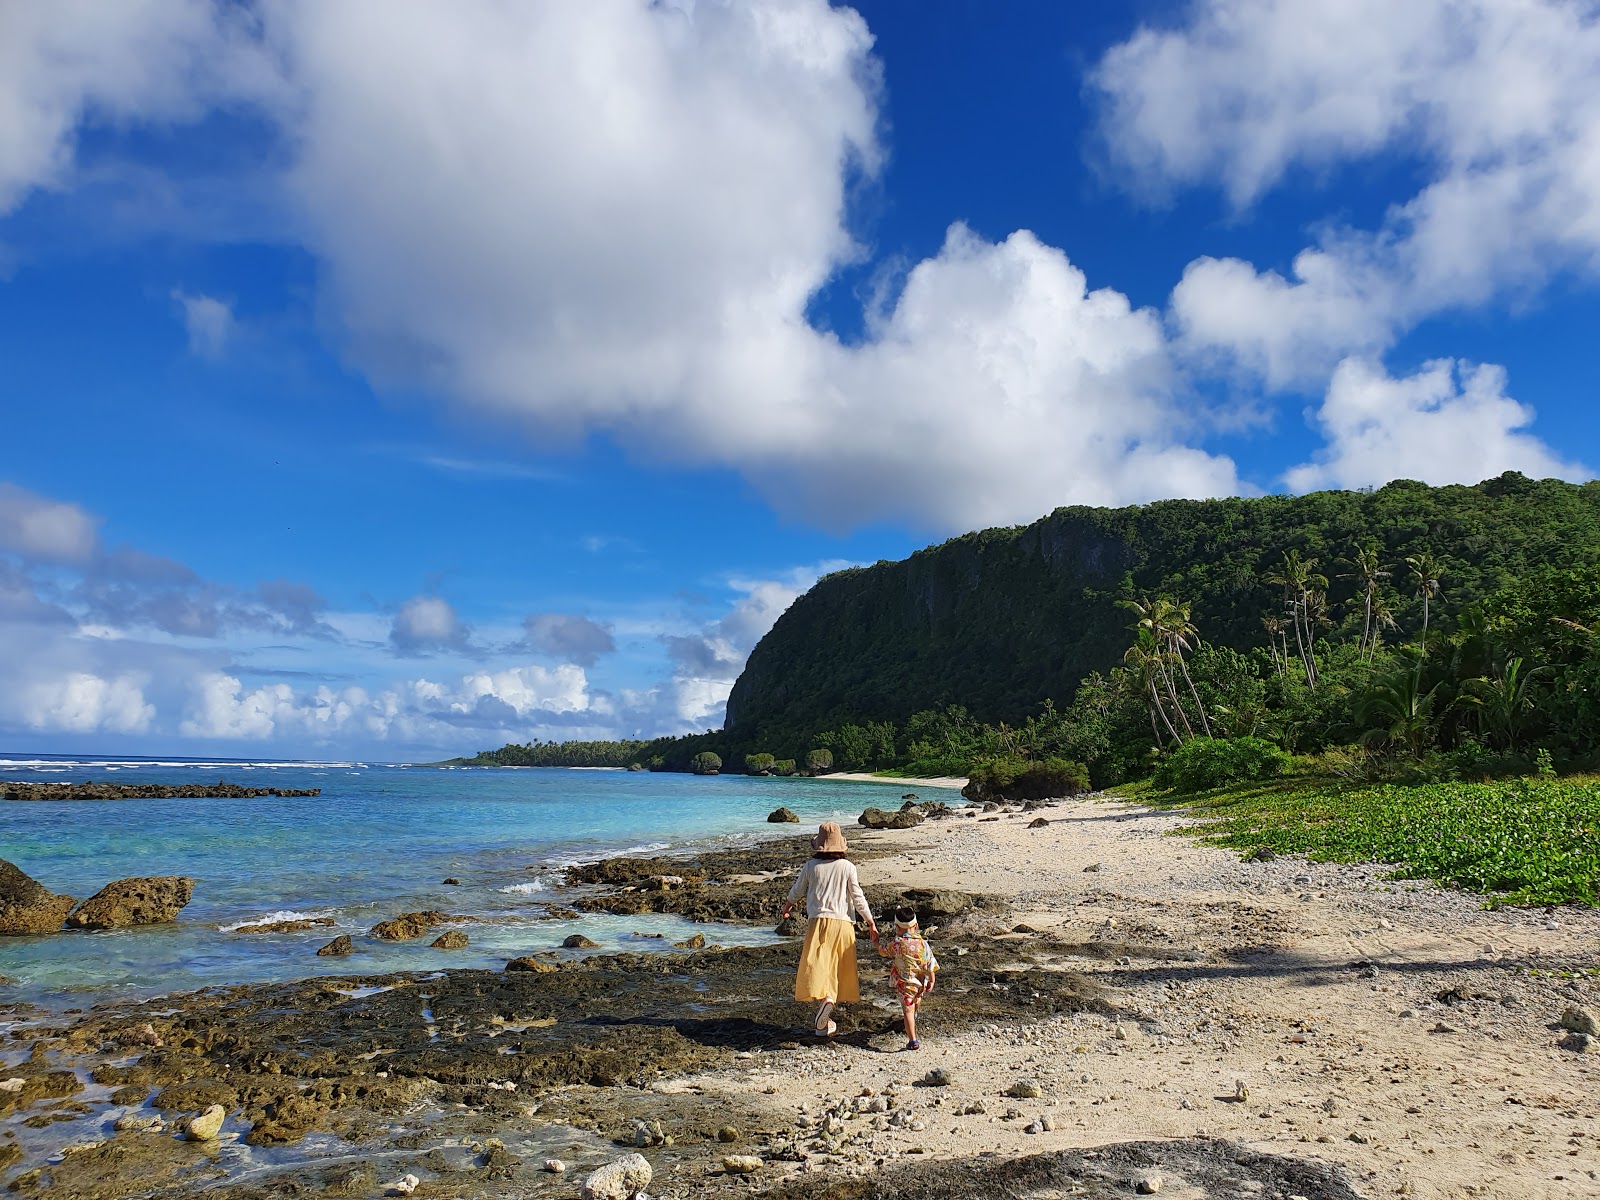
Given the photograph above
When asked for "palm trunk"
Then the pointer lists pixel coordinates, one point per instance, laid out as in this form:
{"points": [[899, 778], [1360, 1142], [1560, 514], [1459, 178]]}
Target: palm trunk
{"points": [[1311, 680], [1198, 707], [1172, 693], [1155, 707], [1366, 624]]}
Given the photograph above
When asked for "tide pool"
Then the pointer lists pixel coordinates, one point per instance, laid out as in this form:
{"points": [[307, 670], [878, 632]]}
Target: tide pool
{"points": [[379, 840]]}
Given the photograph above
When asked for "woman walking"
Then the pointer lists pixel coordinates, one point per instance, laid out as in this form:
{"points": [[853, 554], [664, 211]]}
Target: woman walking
{"points": [[830, 889]]}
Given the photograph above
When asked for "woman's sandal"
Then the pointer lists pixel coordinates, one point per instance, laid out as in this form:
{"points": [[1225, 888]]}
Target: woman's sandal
{"points": [[913, 1044], [833, 1028]]}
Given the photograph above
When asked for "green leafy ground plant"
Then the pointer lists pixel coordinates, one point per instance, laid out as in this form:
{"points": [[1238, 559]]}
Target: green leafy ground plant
{"points": [[1521, 841]]}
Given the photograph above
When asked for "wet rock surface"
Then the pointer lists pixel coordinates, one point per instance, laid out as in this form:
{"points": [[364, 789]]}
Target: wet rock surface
{"points": [[148, 900], [1214, 1169], [407, 1065], [26, 905]]}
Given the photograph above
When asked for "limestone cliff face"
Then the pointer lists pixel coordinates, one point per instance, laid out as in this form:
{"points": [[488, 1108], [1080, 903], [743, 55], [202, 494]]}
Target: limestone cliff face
{"points": [[1001, 619]]}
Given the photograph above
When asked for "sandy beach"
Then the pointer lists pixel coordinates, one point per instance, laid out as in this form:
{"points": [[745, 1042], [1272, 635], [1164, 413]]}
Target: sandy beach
{"points": [[1117, 1006]]}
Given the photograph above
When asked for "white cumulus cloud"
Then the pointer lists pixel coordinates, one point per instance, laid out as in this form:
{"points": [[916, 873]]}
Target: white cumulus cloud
{"points": [[612, 216], [1494, 100], [81, 702], [1449, 423], [37, 528], [425, 624]]}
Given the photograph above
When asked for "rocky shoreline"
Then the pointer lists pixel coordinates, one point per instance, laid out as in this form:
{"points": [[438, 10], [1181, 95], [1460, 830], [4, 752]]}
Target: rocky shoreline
{"points": [[1057, 1061], [90, 790]]}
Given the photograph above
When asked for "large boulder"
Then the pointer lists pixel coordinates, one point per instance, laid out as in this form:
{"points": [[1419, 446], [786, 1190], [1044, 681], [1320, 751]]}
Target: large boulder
{"points": [[407, 925], [783, 816], [876, 818], [26, 905], [619, 1180], [146, 900]]}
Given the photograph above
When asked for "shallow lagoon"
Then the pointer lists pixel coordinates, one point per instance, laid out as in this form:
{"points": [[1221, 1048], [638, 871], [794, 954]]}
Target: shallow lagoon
{"points": [[377, 841]]}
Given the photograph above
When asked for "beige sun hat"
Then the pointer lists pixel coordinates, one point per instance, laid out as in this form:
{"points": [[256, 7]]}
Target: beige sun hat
{"points": [[829, 839]]}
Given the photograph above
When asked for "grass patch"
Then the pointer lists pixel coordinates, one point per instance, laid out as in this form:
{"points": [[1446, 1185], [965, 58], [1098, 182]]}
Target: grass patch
{"points": [[1519, 841]]}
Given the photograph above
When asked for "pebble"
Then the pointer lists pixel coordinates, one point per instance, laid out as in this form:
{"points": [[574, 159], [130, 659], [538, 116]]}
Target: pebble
{"points": [[741, 1164], [404, 1186], [1148, 1185], [207, 1125], [728, 1133], [138, 1123], [555, 1166], [1025, 1089], [1578, 1020], [1241, 1092], [939, 1077], [619, 1180]]}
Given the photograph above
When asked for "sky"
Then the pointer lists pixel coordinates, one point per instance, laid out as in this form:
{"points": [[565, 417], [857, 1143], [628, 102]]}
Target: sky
{"points": [[390, 381]]}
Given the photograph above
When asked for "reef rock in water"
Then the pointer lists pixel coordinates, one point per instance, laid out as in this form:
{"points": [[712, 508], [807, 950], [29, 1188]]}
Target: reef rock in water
{"points": [[26, 905], [147, 900]]}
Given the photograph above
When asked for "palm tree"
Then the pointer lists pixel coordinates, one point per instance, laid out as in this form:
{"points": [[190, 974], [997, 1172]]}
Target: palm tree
{"points": [[1181, 636], [1274, 627], [1503, 699], [1154, 618], [1427, 571], [1399, 712], [1299, 579], [1382, 618], [1143, 658], [1368, 574]]}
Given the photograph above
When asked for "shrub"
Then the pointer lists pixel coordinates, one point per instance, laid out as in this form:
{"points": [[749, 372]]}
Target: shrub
{"points": [[706, 763], [783, 766], [1203, 763], [758, 764], [818, 761], [1023, 779]]}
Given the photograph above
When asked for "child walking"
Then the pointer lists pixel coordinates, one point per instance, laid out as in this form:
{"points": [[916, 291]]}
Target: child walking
{"points": [[912, 967]]}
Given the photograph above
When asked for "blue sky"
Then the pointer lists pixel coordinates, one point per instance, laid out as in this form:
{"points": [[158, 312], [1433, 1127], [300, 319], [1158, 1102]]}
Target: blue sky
{"points": [[394, 381]]}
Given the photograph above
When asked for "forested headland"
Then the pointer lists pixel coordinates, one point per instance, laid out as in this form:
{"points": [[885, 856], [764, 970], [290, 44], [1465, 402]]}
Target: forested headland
{"points": [[1407, 632]]}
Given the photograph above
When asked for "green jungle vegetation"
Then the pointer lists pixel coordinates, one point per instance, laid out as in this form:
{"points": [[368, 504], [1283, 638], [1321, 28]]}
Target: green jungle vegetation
{"points": [[1335, 674]]}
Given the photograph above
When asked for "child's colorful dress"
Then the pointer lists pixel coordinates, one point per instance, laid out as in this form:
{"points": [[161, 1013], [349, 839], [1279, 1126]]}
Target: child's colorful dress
{"points": [[912, 966]]}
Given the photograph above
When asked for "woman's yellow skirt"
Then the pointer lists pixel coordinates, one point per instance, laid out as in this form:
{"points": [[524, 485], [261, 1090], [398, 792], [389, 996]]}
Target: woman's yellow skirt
{"points": [[828, 962]]}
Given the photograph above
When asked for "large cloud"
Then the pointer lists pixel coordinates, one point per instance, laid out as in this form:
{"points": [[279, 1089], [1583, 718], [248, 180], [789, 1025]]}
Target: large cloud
{"points": [[40, 529], [1449, 423], [71, 62], [1495, 99], [613, 216], [566, 636]]}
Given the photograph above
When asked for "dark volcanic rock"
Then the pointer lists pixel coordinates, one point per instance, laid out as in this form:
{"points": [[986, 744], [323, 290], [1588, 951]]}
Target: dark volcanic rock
{"points": [[143, 791], [26, 905], [531, 964], [337, 948], [781, 816], [1038, 823], [297, 926], [577, 941], [877, 818], [407, 925], [147, 900], [450, 939], [1206, 1167]]}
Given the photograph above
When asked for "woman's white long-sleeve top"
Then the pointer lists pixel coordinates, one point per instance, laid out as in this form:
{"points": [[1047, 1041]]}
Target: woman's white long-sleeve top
{"points": [[830, 888]]}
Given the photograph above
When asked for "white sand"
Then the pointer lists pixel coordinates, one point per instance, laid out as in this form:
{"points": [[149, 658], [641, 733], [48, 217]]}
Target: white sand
{"points": [[1342, 1062]]}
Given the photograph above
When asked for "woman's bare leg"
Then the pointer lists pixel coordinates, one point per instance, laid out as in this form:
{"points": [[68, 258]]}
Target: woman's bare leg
{"points": [[911, 1021]]}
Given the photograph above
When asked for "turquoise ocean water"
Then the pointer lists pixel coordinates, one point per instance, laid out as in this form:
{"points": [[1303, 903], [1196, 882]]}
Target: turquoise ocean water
{"points": [[379, 840]]}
